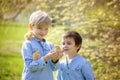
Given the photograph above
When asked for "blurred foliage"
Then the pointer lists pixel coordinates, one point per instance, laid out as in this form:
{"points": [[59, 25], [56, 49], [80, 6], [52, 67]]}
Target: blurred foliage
{"points": [[10, 9], [98, 21]]}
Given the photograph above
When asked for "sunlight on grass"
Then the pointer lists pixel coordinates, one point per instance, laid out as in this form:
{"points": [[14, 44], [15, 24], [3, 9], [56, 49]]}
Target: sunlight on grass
{"points": [[11, 66]]}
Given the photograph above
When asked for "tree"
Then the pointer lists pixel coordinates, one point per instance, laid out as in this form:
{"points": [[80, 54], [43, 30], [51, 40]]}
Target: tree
{"points": [[10, 9]]}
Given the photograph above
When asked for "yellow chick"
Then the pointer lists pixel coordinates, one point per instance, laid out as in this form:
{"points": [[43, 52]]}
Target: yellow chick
{"points": [[57, 48], [36, 55], [29, 35]]}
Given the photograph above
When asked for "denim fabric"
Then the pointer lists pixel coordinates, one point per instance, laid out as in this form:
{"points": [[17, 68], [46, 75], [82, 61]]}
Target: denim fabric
{"points": [[37, 69], [78, 69]]}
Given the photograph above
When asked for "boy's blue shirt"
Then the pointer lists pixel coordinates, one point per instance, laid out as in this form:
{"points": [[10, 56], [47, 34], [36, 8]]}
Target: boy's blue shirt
{"points": [[37, 69], [78, 69]]}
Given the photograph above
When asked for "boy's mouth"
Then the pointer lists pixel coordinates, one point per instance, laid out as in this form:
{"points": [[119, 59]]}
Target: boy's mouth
{"points": [[65, 49]]}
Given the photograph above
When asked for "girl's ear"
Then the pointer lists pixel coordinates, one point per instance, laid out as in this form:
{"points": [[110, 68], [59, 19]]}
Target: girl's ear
{"points": [[30, 26]]}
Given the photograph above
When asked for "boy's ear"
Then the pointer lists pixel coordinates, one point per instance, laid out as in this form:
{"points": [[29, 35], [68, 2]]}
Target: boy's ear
{"points": [[79, 46], [30, 26]]}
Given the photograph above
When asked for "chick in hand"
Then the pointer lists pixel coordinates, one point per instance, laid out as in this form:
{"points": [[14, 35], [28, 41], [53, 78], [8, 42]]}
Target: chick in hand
{"points": [[57, 48], [36, 55], [29, 35]]}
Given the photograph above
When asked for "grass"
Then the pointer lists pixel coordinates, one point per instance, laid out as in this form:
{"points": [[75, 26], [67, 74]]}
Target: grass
{"points": [[12, 31], [11, 38], [11, 66]]}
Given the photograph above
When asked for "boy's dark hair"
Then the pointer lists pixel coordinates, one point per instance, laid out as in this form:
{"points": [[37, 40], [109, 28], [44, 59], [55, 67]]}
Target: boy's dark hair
{"points": [[76, 36]]}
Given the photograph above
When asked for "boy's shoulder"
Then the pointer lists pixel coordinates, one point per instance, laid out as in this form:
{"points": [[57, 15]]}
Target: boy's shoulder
{"points": [[78, 58], [81, 58]]}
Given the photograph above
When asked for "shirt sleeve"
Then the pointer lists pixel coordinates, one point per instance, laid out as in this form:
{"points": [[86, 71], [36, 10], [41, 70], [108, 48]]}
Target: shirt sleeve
{"points": [[32, 65], [87, 71], [53, 65], [59, 75]]}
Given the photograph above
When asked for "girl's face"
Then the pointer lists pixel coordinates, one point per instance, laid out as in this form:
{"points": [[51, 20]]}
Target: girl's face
{"points": [[41, 32], [69, 47]]}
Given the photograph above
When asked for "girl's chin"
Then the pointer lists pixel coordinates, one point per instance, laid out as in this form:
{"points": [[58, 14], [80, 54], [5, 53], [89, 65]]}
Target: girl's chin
{"points": [[40, 38]]}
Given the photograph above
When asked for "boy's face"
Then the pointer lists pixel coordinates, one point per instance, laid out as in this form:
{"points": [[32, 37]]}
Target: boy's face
{"points": [[41, 32], [69, 47]]}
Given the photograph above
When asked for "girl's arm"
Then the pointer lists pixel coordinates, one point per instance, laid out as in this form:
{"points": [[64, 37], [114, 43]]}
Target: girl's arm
{"points": [[32, 65], [57, 54]]}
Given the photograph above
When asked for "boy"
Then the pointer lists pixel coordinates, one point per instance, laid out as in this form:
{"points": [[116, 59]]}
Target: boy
{"points": [[74, 67]]}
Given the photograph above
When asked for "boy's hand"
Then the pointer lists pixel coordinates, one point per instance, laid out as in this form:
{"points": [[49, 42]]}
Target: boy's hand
{"points": [[36, 55], [57, 48]]}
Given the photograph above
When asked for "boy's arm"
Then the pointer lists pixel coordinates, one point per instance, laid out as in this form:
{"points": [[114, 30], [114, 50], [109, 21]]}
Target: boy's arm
{"points": [[87, 71]]}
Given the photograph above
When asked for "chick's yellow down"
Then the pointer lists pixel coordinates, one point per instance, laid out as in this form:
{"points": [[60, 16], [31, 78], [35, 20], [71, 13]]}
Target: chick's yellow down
{"points": [[36, 55], [57, 48], [29, 35]]}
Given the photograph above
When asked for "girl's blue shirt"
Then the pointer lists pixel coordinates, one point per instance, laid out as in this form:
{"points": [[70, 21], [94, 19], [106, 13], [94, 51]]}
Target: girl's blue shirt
{"points": [[37, 69], [78, 69]]}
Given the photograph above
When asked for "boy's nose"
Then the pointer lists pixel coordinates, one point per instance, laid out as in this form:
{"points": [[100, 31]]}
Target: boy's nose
{"points": [[64, 46]]}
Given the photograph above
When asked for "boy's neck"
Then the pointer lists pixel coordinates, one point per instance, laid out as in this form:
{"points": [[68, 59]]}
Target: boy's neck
{"points": [[70, 57]]}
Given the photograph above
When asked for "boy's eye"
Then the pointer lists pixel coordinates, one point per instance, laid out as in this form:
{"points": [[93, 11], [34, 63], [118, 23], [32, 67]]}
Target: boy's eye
{"points": [[63, 43], [69, 43], [66, 43]]}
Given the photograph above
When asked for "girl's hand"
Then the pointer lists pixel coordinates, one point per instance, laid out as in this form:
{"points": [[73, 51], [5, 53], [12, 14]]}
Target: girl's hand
{"points": [[54, 55], [58, 52]]}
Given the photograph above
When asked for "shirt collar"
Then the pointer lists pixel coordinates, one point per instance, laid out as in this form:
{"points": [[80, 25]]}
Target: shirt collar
{"points": [[73, 58], [39, 40]]}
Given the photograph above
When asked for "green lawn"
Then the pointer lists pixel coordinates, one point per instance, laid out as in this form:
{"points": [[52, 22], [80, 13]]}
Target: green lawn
{"points": [[11, 66], [11, 38]]}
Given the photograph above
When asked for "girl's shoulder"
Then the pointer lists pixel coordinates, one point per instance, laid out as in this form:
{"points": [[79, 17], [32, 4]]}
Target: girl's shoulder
{"points": [[26, 42], [29, 42], [50, 43]]}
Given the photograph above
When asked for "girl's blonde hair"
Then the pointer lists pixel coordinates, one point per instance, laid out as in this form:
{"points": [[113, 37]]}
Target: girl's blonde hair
{"points": [[37, 19]]}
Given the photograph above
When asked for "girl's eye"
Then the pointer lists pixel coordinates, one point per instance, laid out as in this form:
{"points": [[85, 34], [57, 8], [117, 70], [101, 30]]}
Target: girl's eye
{"points": [[46, 28], [38, 28]]}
